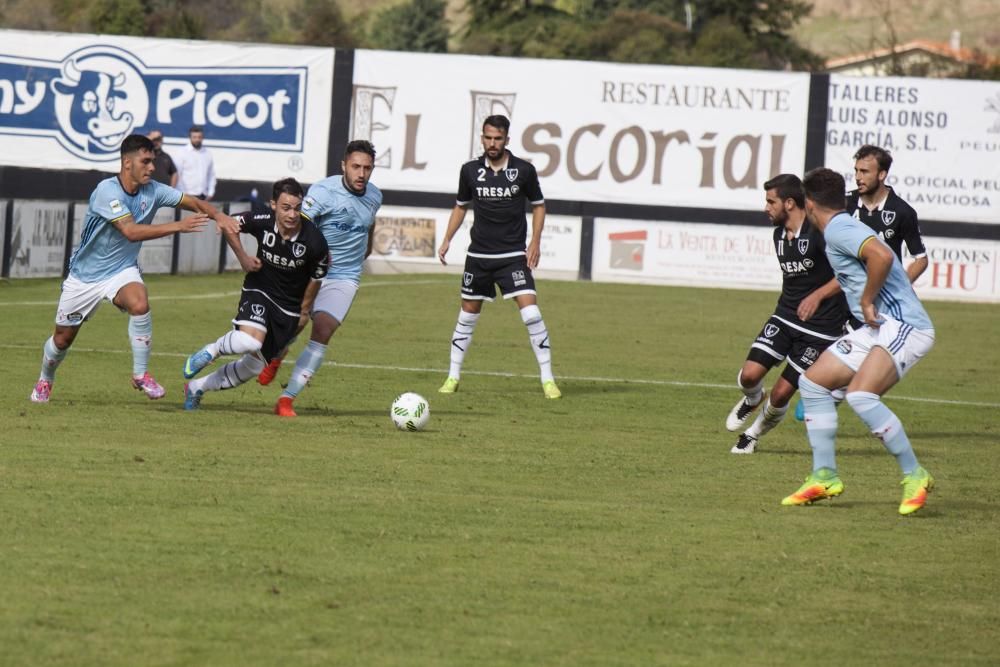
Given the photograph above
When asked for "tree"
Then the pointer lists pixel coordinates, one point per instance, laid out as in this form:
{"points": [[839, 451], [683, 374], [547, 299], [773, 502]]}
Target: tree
{"points": [[416, 25], [323, 24], [118, 17]]}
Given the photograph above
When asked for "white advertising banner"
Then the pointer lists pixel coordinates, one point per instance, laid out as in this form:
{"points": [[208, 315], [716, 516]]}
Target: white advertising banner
{"points": [[944, 136], [605, 132], [407, 239], [67, 101], [38, 239], [684, 253], [961, 270]]}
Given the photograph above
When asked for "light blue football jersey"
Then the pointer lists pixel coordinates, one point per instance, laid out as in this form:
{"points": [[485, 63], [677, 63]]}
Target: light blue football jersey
{"points": [[345, 218], [104, 251], [844, 238]]}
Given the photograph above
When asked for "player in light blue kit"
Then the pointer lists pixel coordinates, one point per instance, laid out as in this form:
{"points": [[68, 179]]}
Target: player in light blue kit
{"points": [[106, 263], [871, 359], [344, 208]]}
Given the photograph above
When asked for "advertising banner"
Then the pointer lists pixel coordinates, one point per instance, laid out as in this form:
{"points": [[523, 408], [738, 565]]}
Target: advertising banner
{"points": [[67, 101], [407, 239], [636, 134], [960, 270], [684, 253], [38, 239], [944, 136]]}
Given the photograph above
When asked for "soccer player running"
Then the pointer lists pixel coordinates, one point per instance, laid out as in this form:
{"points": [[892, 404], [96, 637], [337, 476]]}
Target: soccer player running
{"points": [[106, 264], [869, 360], [809, 316], [878, 206], [278, 292], [497, 184], [344, 208]]}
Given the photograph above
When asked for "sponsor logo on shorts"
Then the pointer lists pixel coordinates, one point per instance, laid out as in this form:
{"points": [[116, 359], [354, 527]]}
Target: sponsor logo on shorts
{"points": [[803, 246], [74, 318], [888, 217], [810, 354], [770, 330], [518, 277], [844, 346], [467, 279], [257, 309]]}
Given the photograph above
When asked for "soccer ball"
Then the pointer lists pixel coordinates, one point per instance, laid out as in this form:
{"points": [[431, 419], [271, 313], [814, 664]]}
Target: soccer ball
{"points": [[410, 412]]}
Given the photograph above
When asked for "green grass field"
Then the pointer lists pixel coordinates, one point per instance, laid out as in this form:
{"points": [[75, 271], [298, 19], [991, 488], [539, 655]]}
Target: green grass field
{"points": [[611, 527]]}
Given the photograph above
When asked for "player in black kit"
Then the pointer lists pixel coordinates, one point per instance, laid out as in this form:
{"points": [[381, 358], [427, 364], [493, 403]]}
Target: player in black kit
{"points": [[808, 318], [878, 206], [278, 291], [497, 184]]}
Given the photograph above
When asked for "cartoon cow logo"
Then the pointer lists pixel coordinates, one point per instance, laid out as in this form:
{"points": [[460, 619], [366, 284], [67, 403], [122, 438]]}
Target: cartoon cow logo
{"points": [[100, 98]]}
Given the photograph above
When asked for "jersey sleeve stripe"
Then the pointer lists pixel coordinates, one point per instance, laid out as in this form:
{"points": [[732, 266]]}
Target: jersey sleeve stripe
{"points": [[127, 214], [537, 202], [463, 203], [861, 248]]}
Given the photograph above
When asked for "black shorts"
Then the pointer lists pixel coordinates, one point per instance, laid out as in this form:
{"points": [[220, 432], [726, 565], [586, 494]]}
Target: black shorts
{"points": [[779, 341], [259, 312], [483, 275]]}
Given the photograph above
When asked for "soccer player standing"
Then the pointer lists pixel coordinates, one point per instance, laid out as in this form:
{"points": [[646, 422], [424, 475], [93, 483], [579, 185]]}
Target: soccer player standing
{"points": [[344, 208], [878, 206], [809, 316], [106, 263], [869, 360], [278, 293], [497, 184]]}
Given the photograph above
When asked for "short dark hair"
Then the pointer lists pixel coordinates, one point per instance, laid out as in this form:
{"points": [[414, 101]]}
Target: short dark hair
{"points": [[825, 187], [288, 186], [196, 128], [498, 121], [136, 142], [359, 146], [881, 155], [788, 186]]}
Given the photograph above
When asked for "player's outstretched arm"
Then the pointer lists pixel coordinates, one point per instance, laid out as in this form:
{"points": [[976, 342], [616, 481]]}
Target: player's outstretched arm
{"points": [[810, 304], [454, 222], [196, 205], [537, 225], [135, 232]]}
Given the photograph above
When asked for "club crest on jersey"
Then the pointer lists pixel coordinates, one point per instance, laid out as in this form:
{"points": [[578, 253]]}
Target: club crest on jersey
{"points": [[142, 205], [298, 249], [803, 246], [888, 217], [511, 174], [770, 330]]}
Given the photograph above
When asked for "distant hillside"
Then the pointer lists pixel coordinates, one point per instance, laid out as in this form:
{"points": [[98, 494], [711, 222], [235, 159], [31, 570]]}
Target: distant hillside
{"points": [[841, 27]]}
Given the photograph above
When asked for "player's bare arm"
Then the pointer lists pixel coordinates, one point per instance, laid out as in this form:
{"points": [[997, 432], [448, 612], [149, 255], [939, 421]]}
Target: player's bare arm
{"points": [[371, 241], [916, 268], [878, 260], [537, 225], [810, 304], [225, 222], [308, 299], [135, 232], [454, 222]]}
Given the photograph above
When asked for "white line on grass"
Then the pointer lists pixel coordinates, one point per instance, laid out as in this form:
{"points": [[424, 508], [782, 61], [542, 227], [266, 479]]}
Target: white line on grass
{"points": [[571, 378], [219, 295]]}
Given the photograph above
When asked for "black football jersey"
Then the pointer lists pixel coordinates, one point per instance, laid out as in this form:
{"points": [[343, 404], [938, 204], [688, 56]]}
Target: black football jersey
{"points": [[804, 269], [287, 265], [498, 200], [894, 221]]}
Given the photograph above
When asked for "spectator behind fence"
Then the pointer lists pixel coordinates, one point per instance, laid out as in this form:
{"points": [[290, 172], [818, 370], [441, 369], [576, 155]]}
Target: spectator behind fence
{"points": [[195, 167], [164, 170]]}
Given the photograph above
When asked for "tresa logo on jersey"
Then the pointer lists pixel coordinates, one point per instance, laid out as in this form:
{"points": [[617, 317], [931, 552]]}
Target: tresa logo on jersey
{"points": [[484, 192], [98, 95], [281, 261], [796, 267]]}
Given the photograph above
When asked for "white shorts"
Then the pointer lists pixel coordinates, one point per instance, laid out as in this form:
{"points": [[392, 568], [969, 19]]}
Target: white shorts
{"points": [[335, 298], [79, 300], [906, 344]]}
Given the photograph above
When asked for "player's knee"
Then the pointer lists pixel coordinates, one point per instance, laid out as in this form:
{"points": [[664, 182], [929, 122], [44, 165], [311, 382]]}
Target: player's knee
{"points": [[253, 362], [751, 375], [862, 401], [138, 307], [812, 391], [531, 314]]}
